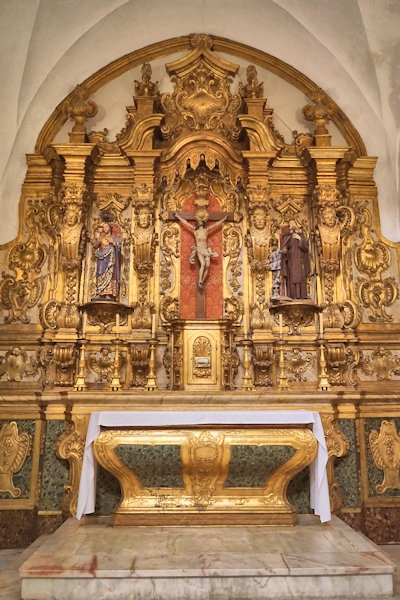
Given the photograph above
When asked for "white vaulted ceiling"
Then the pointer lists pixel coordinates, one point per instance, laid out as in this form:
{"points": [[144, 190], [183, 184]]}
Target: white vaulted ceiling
{"points": [[350, 48]]}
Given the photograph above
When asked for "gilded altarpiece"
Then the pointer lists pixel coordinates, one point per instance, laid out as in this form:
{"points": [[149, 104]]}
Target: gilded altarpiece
{"points": [[200, 259]]}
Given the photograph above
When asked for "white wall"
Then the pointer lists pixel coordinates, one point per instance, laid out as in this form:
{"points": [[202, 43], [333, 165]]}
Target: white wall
{"points": [[350, 48]]}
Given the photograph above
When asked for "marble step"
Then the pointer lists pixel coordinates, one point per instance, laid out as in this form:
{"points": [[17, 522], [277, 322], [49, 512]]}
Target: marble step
{"points": [[89, 559]]}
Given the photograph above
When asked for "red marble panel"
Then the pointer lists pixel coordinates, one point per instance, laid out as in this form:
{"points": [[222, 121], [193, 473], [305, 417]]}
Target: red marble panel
{"points": [[213, 284]]}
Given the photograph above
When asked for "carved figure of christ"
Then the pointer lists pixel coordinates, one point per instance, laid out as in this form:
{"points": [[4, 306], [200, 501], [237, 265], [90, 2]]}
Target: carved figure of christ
{"points": [[201, 253]]}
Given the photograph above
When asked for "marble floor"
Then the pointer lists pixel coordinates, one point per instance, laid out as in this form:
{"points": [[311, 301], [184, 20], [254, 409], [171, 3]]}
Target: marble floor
{"points": [[327, 560]]}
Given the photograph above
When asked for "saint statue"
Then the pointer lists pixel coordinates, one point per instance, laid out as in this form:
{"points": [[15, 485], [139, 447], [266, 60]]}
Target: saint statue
{"points": [[329, 231], [295, 262], [143, 235], [107, 242], [259, 233], [201, 250], [71, 232]]}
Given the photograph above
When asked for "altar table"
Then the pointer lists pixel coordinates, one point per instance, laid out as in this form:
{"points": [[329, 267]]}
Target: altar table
{"points": [[319, 491]]}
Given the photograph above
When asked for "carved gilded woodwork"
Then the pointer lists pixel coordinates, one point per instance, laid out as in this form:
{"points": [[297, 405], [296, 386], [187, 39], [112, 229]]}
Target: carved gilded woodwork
{"points": [[139, 360], [382, 363], [205, 456], [79, 108], [70, 446], [337, 446], [263, 359], [320, 114], [203, 142], [16, 365], [342, 363], [297, 363], [14, 448], [385, 448], [211, 141]]}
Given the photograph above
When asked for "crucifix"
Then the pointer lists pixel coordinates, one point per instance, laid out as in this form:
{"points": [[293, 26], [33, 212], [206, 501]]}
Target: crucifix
{"points": [[201, 253]]}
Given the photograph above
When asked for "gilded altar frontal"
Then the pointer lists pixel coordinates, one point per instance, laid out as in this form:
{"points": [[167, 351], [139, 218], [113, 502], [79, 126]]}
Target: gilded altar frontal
{"points": [[202, 257]]}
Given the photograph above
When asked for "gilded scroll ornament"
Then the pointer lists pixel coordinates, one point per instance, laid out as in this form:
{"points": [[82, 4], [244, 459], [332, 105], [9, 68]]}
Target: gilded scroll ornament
{"points": [[201, 99], [372, 258], [70, 446], [204, 465], [342, 362], [232, 247], [376, 295], [381, 362], [338, 446], [139, 358], [23, 290], [16, 365], [297, 363], [385, 448], [102, 364], [14, 449], [263, 359], [64, 359]]}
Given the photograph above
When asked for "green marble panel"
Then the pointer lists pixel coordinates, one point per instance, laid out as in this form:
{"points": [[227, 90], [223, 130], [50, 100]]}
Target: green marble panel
{"points": [[375, 475], [22, 479], [108, 492], [250, 466], [54, 470], [346, 471], [154, 466]]}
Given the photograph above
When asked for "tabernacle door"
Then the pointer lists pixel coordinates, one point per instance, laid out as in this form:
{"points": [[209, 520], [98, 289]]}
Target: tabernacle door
{"points": [[203, 355]]}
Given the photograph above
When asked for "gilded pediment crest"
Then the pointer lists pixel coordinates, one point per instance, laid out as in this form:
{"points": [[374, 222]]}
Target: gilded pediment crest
{"points": [[202, 99]]}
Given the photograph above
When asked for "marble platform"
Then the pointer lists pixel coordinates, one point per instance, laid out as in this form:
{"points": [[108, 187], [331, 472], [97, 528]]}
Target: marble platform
{"points": [[89, 559]]}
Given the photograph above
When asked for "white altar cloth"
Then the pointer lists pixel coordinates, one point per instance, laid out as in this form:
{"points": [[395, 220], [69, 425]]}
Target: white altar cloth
{"points": [[319, 490]]}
